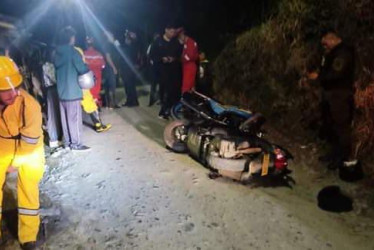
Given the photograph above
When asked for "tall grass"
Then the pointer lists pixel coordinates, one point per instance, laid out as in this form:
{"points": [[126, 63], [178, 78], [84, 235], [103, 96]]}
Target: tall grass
{"points": [[263, 68]]}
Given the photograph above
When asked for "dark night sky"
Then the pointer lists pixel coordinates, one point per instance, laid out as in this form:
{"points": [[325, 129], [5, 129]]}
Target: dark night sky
{"points": [[211, 22]]}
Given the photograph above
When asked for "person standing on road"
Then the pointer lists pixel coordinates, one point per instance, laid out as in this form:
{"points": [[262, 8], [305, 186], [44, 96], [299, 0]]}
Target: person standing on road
{"points": [[190, 58], [153, 71], [167, 53], [89, 105], [53, 104], [129, 67], [21, 148], [110, 72], [336, 76], [96, 62], [69, 65], [204, 79]]}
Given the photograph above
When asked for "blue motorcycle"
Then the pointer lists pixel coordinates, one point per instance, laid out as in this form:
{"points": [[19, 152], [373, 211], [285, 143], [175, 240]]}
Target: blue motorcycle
{"points": [[226, 139]]}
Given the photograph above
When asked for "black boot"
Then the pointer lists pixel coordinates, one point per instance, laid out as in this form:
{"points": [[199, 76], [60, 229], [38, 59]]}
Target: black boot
{"points": [[38, 244], [95, 117], [98, 124], [351, 172]]}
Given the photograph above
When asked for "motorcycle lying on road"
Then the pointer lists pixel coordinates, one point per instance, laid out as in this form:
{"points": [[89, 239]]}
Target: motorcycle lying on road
{"points": [[227, 140]]}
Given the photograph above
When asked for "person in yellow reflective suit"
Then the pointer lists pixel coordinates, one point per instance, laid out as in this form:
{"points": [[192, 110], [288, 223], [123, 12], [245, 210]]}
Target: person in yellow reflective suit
{"points": [[90, 107], [21, 148]]}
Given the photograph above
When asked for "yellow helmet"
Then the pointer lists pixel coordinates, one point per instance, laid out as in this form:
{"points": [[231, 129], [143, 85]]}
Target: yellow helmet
{"points": [[10, 77]]}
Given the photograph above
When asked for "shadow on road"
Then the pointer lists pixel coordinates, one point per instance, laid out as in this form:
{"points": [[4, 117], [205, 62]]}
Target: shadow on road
{"points": [[143, 118]]}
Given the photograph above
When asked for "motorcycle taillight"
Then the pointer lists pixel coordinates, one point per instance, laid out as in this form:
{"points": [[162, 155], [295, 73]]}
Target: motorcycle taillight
{"points": [[280, 161]]}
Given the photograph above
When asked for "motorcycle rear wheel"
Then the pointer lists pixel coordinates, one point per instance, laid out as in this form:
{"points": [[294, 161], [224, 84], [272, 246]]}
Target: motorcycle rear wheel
{"points": [[172, 136]]}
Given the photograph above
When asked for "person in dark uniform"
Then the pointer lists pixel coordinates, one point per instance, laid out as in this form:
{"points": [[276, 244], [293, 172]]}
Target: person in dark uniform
{"points": [[204, 76], [336, 76], [166, 53], [129, 67], [153, 71]]}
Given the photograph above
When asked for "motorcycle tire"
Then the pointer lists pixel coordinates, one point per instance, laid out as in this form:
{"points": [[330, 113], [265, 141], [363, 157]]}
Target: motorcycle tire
{"points": [[218, 163], [170, 137]]}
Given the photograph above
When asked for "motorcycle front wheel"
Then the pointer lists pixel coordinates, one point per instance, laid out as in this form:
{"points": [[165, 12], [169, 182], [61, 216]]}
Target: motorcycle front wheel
{"points": [[175, 134]]}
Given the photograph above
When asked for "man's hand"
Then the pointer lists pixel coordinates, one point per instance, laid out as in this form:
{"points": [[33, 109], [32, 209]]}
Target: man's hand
{"points": [[165, 59], [115, 71], [313, 75]]}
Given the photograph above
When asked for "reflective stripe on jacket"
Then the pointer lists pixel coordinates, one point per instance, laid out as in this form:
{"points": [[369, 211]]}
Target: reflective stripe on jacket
{"points": [[21, 134]]}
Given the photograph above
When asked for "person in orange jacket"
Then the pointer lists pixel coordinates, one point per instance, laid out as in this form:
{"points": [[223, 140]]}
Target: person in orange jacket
{"points": [[22, 149], [96, 62], [190, 58]]}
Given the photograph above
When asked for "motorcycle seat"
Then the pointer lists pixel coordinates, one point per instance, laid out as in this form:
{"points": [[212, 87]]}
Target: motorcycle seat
{"points": [[218, 109]]}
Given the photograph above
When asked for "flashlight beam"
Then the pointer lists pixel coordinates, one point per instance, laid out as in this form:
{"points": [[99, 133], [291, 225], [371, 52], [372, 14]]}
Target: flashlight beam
{"points": [[86, 11], [32, 19]]}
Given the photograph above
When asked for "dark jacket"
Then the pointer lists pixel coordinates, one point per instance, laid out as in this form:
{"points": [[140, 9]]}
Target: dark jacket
{"points": [[162, 48], [69, 65], [337, 70], [131, 52]]}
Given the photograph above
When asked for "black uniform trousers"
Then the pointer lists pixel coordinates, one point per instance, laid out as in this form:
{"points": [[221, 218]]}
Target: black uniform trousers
{"points": [[338, 109], [129, 80]]}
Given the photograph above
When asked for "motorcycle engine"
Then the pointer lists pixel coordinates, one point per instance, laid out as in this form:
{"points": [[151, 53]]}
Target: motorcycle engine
{"points": [[226, 147], [201, 142], [196, 141]]}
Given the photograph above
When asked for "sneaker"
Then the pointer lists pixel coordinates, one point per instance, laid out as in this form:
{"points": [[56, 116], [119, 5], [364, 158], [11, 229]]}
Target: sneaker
{"points": [[54, 144], [56, 151], [80, 148], [103, 128]]}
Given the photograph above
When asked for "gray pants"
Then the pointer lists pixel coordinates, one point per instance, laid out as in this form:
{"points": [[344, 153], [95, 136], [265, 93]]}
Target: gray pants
{"points": [[54, 116], [71, 118]]}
